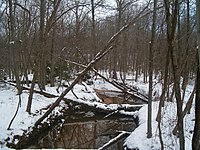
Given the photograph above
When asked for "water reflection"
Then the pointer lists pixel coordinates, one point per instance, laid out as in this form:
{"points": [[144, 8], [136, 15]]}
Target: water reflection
{"points": [[86, 135]]}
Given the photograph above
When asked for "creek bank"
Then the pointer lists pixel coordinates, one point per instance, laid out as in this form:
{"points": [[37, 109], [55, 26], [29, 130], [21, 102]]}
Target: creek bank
{"points": [[73, 115], [81, 106]]}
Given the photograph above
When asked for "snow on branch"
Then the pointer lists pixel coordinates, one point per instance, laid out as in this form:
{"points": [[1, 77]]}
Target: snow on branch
{"points": [[114, 140]]}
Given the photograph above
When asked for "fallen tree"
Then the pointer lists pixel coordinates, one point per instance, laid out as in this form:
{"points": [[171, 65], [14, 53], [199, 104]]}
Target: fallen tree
{"points": [[45, 94], [123, 109], [99, 55], [96, 106], [132, 91], [109, 109], [125, 89]]}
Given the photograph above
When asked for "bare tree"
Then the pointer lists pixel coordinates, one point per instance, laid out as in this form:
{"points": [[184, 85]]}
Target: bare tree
{"points": [[14, 50], [93, 32], [40, 62], [171, 20]]}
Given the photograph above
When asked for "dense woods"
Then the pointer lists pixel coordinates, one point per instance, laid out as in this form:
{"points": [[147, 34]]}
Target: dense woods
{"points": [[48, 37], [38, 36]]}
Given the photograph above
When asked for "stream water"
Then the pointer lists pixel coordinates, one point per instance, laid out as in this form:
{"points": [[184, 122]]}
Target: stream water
{"points": [[90, 133]]}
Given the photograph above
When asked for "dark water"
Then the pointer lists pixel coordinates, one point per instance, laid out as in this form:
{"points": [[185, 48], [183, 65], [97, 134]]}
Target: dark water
{"points": [[90, 134]]}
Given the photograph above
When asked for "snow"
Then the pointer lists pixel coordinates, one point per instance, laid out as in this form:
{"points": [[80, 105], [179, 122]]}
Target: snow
{"points": [[138, 138], [86, 94], [112, 140], [12, 42], [8, 105]]}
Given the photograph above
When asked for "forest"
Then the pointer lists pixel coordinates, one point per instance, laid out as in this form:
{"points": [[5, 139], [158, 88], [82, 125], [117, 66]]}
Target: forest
{"points": [[62, 50]]}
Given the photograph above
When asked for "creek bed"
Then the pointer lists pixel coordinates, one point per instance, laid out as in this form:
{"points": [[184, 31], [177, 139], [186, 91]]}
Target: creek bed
{"points": [[87, 132]]}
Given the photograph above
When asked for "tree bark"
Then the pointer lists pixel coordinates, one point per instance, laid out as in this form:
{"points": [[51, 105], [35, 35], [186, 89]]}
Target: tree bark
{"points": [[153, 32], [13, 49], [171, 20], [196, 135], [42, 44], [186, 109], [185, 68], [52, 71]]}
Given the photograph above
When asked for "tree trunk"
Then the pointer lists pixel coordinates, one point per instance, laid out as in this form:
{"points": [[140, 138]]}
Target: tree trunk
{"points": [[93, 31], [153, 32], [30, 97], [13, 49], [42, 44], [186, 109], [52, 71], [185, 68], [171, 20], [164, 89], [196, 135]]}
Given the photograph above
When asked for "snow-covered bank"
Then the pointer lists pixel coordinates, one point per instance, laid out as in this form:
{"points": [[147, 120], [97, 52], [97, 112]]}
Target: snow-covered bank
{"points": [[8, 105], [138, 138], [9, 100], [23, 120]]}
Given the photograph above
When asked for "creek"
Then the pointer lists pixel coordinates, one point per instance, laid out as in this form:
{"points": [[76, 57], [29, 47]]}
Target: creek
{"points": [[87, 132]]}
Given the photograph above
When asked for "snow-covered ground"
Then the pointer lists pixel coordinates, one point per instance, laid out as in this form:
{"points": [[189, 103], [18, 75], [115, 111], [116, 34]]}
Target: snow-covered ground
{"points": [[9, 101], [138, 138], [8, 105]]}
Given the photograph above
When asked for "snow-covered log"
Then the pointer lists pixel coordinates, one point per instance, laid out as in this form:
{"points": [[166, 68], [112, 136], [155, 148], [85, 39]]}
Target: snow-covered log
{"points": [[114, 140], [124, 109], [45, 94]]}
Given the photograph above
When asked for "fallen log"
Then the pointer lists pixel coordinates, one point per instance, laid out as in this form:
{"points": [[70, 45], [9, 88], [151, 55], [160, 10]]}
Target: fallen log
{"points": [[125, 89], [124, 109], [96, 106], [45, 94], [122, 135], [76, 80]]}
